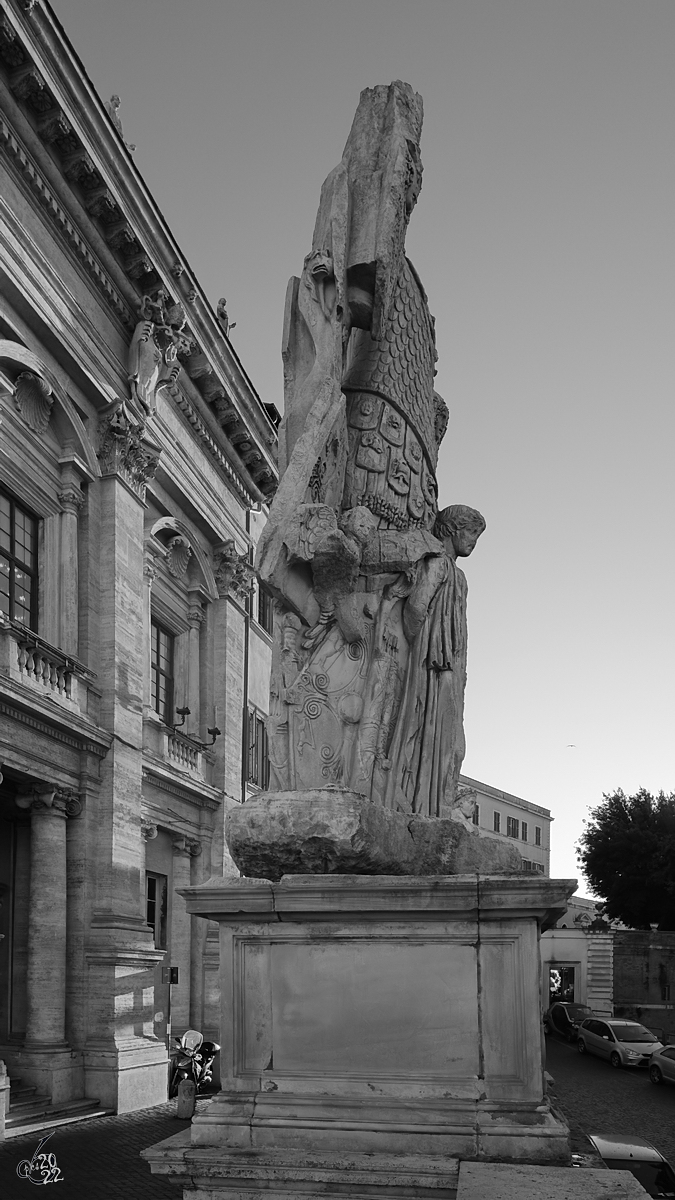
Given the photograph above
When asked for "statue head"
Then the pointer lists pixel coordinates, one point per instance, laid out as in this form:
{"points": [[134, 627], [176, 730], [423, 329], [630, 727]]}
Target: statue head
{"points": [[358, 523], [461, 526]]}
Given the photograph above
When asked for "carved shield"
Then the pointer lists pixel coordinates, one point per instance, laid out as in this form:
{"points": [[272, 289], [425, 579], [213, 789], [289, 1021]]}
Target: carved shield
{"points": [[364, 411], [392, 426], [398, 476], [413, 451], [371, 454]]}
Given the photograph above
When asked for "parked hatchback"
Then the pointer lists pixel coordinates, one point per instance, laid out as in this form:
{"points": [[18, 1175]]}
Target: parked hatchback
{"points": [[624, 1043], [565, 1018], [662, 1065]]}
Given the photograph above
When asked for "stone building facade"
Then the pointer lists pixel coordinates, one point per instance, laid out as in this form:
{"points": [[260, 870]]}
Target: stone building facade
{"points": [[136, 464], [508, 818]]}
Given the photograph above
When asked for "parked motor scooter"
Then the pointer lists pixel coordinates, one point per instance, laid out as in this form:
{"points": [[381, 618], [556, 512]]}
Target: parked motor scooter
{"points": [[191, 1058]]}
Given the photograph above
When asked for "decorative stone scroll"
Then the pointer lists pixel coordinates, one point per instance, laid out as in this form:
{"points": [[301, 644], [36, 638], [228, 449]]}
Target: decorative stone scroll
{"points": [[33, 398], [62, 800], [369, 660]]}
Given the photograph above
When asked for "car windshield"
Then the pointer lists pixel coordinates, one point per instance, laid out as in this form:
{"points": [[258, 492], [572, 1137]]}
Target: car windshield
{"points": [[632, 1033], [656, 1178]]}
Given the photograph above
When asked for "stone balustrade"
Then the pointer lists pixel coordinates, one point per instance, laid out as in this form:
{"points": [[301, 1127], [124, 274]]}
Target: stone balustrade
{"points": [[28, 659], [183, 752]]}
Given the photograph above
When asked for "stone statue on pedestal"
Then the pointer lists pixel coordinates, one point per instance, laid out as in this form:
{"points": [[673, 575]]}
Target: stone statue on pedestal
{"points": [[369, 662]]}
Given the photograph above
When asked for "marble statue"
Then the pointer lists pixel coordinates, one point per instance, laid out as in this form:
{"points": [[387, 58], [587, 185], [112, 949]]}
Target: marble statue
{"points": [[369, 660]]}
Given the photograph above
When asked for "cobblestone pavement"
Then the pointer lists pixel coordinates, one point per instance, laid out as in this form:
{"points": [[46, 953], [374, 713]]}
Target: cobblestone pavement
{"points": [[98, 1159], [597, 1098]]}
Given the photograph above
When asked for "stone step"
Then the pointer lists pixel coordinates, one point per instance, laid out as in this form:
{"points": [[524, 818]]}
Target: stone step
{"points": [[49, 1122], [43, 1113], [26, 1096]]}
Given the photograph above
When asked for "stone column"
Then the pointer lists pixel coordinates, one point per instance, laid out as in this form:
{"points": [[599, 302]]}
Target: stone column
{"points": [[71, 500], [46, 969], [195, 616], [184, 849]]}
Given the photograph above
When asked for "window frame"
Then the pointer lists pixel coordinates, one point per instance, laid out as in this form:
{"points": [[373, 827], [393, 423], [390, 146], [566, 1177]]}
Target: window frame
{"points": [[265, 610], [475, 816], [512, 827], [165, 713], [523, 831], [537, 835], [159, 923], [257, 749], [496, 821], [16, 563]]}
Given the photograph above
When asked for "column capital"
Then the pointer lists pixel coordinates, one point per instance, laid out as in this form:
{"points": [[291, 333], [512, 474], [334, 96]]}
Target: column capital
{"points": [[48, 798], [71, 499], [195, 616], [190, 847]]}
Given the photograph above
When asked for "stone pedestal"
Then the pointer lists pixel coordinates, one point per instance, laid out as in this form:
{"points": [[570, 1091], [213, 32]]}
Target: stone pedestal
{"points": [[372, 1029]]}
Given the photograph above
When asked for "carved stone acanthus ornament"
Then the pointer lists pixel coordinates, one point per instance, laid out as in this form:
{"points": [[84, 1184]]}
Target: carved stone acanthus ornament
{"points": [[233, 572], [123, 449], [158, 339], [148, 830], [195, 616], [178, 556], [34, 400], [61, 800]]}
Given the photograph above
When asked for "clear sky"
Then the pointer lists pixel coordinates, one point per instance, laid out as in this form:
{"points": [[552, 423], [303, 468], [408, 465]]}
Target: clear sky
{"points": [[544, 235]]}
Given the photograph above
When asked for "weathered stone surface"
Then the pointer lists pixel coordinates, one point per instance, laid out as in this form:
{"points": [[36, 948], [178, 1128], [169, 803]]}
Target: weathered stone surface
{"points": [[369, 665], [332, 830], [511, 1181]]}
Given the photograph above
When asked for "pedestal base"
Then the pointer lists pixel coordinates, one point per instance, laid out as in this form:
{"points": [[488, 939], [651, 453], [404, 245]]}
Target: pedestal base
{"points": [[369, 1021]]}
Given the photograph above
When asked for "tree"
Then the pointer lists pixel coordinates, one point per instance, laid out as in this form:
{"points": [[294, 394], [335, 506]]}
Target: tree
{"points": [[627, 853]]}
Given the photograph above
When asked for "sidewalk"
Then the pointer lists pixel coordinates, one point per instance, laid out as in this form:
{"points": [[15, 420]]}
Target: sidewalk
{"points": [[98, 1159]]}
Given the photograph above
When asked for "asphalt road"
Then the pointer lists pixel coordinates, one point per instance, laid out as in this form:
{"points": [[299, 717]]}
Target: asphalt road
{"points": [[597, 1098]]}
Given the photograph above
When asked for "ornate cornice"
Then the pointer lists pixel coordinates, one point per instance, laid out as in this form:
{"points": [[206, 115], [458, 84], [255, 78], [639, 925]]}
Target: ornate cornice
{"points": [[50, 203], [138, 243], [196, 797], [78, 742]]}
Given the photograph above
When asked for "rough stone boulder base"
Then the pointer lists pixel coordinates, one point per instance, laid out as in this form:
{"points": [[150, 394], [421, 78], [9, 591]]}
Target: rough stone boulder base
{"points": [[336, 831]]}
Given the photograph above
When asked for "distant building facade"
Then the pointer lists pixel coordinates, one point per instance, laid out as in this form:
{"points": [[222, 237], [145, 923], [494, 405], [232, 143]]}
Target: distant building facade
{"points": [[508, 818], [577, 958], [136, 465]]}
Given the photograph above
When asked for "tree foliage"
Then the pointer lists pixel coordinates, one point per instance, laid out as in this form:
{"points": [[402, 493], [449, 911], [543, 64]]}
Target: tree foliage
{"points": [[627, 853]]}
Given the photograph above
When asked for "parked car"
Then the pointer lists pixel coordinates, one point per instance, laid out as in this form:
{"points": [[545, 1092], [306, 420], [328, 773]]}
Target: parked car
{"points": [[624, 1043], [638, 1156], [662, 1065], [565, 1018]]}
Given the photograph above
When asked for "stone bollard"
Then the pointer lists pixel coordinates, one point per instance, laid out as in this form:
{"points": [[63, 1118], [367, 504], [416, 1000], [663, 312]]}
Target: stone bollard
{"points": [[187, 1098], [4, 1098]]}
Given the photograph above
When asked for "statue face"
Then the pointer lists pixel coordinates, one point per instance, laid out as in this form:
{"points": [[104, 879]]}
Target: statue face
{"points": [[464, 540]]}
